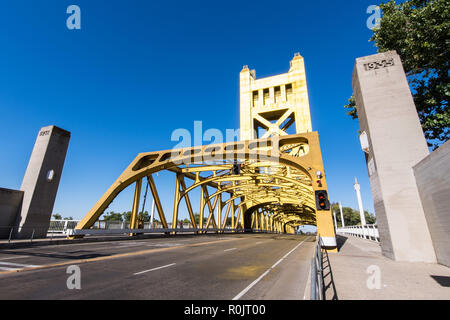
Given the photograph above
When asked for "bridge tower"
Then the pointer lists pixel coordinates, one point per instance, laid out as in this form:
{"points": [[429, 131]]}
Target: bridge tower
{"points": [[279, 106], [270, 106], [272, 180]]}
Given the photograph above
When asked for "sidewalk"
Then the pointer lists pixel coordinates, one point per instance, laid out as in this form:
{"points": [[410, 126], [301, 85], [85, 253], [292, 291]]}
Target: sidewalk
{"points": [[359, 265]]}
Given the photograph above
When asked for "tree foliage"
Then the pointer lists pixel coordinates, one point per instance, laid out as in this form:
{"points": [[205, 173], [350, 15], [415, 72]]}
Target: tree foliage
{"points": [[57, 216], [351, 216], [419, 31], [112, 216], [124, 216]]}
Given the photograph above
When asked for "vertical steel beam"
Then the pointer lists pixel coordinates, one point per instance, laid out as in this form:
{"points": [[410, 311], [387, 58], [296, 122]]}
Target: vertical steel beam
{"points": [[157, 201], [202, 206], [176, 201], [219, 210], [211, 213], [211, 208], [135, 209], [241, 212], [188, 202], [233, 212], [238, 219], [224, 224]]}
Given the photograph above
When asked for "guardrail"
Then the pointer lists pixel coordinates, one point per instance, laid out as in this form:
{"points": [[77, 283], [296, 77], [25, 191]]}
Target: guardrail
{"points": [[61, 226], [23, 233], [369, 232], [64, 226], [317, 291]]}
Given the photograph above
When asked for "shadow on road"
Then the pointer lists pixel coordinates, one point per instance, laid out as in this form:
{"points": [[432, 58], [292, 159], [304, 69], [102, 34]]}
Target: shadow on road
{"points": [[442, 280], [69, 255], [340, 240], [329, 289]]}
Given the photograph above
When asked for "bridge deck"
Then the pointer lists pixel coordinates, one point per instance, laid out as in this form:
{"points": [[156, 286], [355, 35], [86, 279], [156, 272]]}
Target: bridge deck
{"points": [[241, 266]]}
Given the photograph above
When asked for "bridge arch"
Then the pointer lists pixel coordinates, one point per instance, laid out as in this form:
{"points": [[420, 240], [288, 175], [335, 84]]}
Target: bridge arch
{"points": [[271, 178]]}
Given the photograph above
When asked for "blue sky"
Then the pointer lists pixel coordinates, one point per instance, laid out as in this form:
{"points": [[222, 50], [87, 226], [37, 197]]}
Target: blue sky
{"points": [[138, 70]]}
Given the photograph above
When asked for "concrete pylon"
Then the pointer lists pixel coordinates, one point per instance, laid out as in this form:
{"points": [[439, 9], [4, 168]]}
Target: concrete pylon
{"points": [[360, 205], [393, 142], [41, 181]]}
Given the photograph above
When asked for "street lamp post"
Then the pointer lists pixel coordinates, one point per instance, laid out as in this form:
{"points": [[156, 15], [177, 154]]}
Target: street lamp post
{"points": [[360, 205], [342, 215]]}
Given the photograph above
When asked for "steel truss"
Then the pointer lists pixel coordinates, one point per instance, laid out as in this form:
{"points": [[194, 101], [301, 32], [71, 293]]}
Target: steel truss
{"points": [[270, 185]]}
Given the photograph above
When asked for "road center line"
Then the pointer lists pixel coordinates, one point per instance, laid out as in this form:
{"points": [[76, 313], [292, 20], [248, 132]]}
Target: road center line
{"points": [[230, 249], [127, 246], [18, 265], [168, 265], [251, 285], [7, 269], [9, 258]]}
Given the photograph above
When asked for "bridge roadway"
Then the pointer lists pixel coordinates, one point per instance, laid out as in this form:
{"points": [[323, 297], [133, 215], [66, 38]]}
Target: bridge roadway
{"points": [[227, 266]]}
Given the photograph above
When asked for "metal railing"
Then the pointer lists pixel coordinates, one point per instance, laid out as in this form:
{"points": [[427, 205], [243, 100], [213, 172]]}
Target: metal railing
{"points": [[100, 227], [61, 226], [23, 233], [85, 232], [317, 291], [369, 232]]}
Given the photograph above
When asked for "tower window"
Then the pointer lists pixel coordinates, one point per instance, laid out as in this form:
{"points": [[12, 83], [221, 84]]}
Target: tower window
{"points": [[277, 91], [289, 88], [255, 98], [266, 95], [289, 91]]}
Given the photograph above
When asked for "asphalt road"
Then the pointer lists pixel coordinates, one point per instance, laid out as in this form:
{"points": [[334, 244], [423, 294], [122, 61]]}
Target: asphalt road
{"points": [[222, 267]]}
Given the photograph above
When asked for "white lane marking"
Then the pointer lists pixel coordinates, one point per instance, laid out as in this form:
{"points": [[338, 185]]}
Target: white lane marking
{"points": [[18, 265], [18, 257], [259, 242], [230, 249], [240, 294], [164, 245], [128, 246], [168, 265], [7, 269]]}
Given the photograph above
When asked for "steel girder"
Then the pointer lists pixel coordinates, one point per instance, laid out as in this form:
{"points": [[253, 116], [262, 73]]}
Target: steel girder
{"points": [[274, 187]]}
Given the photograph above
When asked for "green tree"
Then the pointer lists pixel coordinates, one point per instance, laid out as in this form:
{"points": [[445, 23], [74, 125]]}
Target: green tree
{"points": [[146, 216], [57, 216], [419, 31], [126, 216], [351, 216], [197, 219], [112, 216]]}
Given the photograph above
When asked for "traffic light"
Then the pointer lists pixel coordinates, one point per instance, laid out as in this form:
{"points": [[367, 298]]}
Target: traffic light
{"points": [[322, 202]]}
